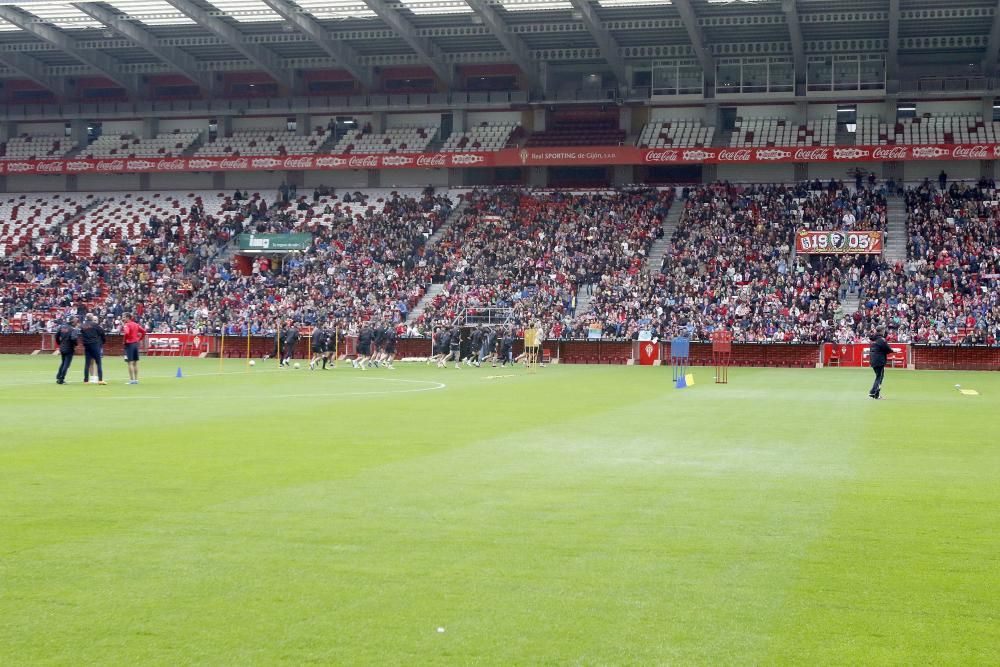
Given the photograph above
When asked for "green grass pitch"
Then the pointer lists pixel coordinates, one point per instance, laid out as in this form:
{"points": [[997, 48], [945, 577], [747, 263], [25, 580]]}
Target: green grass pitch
{"points": [[578, 515]]}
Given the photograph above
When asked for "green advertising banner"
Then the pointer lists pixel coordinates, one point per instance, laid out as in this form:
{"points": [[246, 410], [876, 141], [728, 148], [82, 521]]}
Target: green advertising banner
{"points": [[274, 242]]}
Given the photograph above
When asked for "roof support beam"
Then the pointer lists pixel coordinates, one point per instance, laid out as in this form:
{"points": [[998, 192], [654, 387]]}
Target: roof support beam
{"points": [[340, 51], [34, 70], [171, 55], [263, 58], [514, 45], [605, 42], [425, 49], [690, 21], [98, 60], [795, 33], [892, 53]]}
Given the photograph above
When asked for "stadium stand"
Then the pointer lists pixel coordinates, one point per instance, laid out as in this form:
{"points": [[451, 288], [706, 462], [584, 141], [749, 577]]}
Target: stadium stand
{"points": [[265, 142], [947, 291], [26, 221], [394, 140], [580, 128], [781, 132], [530, 251], [676, 134], [36, 146], [485, 137], [928, 129], [168, 144]]}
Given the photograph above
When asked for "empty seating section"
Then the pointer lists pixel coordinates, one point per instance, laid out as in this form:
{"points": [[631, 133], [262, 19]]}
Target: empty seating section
{"points": [[938, 129], [169, 144], [265, 142], [127, 216], [36, 147], [485, 137], [762, 132], [31, 219], [580, 129], [676, 134], [393, 140]]}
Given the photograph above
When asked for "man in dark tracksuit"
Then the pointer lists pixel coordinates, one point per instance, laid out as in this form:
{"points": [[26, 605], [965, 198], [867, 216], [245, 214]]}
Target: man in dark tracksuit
{"points": [[878, 355], [66, 337], [291, 337], [93, 337]]}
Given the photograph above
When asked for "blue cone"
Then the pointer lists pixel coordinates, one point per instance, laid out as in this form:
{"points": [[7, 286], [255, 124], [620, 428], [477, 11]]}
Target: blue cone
{"points": [[681, 383], [179, 374]]}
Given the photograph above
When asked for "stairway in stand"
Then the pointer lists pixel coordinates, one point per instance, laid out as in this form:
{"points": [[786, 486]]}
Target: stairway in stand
{"points": [[895, 242]]}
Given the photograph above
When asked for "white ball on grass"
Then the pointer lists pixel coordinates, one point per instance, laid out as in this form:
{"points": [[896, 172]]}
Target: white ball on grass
{"points": [[296, 365], [253, 363], [440, 629]]}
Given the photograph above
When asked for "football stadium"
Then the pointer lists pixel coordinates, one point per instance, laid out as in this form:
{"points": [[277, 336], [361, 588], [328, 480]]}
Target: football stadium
{"points": [[501, 332]]}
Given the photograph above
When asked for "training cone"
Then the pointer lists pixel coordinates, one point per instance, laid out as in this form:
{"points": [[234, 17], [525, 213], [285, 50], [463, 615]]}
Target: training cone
{"points": [[689, 379], [179, 374], [681, 383]]}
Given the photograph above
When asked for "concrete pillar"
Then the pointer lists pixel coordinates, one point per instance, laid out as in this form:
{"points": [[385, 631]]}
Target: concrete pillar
{"points": [[219, 181], [225, 126], [78, 132], [801, 171], [8, 130], [72, 184], [303, 124], [625, 120], [150, 127], [801, 115], [710, 114], [538, 122], [709, 173], [145, 182], [986, 108], [456, 177], [538, 177], [374, 180], [459, 120], [378, 122]]}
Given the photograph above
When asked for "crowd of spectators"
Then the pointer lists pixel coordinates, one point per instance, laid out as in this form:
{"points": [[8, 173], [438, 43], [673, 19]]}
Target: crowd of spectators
{"points": [[947, 290], [531, 251], [730, 264]]}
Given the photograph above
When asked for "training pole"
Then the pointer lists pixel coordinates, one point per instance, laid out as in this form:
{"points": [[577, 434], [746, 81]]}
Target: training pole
{"points": [[278, 345], [248, 345], [222, 347]]}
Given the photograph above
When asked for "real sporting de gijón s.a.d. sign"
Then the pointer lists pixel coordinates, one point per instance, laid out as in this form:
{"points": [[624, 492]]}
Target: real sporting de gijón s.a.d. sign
{"points": [[839, 242]]}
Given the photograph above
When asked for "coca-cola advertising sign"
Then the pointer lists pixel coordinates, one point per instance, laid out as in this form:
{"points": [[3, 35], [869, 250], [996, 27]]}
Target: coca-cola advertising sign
{"points": [[363, 162], [437, 160], [511, 157]]}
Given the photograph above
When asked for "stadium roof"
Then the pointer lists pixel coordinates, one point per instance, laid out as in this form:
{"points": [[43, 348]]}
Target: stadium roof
{"points": [[121, 39]]}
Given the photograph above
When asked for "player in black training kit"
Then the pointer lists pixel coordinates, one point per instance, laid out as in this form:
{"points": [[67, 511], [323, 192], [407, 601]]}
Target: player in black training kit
{"points": [[290, 338], [378, 343], [364, 346], [389, 347], [475, 343], [320, 347], [439, 345], [507, 349], [453, 349]]}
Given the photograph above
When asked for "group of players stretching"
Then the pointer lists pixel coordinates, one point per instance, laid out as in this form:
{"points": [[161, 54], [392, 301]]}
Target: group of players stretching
{"points": [[376, 346]]}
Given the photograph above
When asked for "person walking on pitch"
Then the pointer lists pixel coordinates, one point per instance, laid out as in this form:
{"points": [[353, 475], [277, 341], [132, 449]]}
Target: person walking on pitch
{"points": [[878, 356]]}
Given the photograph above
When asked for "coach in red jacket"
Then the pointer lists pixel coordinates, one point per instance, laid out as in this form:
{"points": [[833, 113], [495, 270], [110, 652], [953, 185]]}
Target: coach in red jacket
{"points": [[133, 333]]}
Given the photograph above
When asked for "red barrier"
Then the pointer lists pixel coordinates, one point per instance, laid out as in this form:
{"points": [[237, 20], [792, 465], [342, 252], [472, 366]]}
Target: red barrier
{"points": [[508, 157], [761, 355]]}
